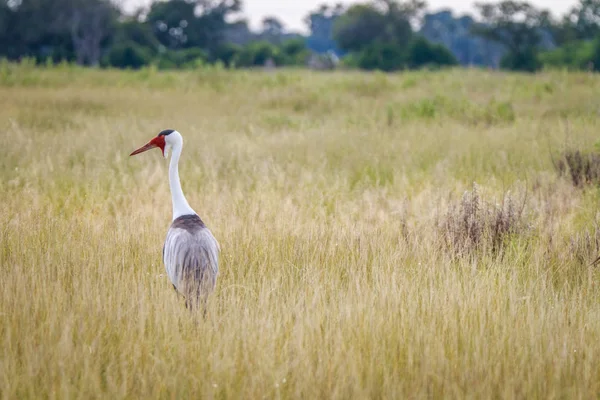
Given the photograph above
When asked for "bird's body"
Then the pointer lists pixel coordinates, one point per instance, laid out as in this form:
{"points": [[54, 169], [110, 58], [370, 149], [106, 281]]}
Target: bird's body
{"points": [[191, 255], [190, 251]]}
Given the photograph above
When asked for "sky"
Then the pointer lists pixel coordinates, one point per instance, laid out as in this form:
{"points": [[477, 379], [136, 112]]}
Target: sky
{"points": [[292, 12]]}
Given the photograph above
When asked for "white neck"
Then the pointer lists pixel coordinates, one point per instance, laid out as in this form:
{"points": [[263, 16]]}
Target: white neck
{"points": [[180, 204]]}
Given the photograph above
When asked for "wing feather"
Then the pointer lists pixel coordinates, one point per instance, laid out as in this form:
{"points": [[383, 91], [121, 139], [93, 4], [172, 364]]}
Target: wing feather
{"points": [[191, 258]]}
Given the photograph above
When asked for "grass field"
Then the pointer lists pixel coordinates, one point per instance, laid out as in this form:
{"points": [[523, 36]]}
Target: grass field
{"points": [[382, 236]]}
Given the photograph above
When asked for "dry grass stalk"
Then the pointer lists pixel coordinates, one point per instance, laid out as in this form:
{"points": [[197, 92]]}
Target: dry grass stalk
{"points": [[582, 168], [475, 225], [333, 280]]}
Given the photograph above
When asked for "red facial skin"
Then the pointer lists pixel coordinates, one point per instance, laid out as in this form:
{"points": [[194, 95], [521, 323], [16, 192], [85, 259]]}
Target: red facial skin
{"points": [[158, 141]]}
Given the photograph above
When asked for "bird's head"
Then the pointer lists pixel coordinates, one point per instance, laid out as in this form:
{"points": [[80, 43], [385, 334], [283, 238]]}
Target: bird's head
{"points": [[164, 141]]}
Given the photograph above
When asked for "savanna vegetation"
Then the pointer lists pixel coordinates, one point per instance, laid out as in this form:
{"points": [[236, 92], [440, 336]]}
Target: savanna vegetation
{"points": [[417, 235], [385, 35]]}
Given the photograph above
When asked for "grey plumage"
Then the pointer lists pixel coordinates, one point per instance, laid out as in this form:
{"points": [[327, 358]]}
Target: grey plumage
{"points": [[191, 256]]}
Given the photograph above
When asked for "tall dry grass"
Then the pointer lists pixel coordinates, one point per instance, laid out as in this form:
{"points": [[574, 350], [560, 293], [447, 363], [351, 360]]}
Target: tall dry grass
{"points": [[336, 199]]}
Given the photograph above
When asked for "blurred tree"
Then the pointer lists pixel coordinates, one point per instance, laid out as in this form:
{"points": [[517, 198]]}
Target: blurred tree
{"points": [[295, 52], [237, 32], [257, 54], [574, 55], [170, 22], [271, 26], [390, 57], [578, 36], [383, 21], [192, 23], [362, 25], [127, 55], [8, 41], [28, 29], [56, 28], [424, 53], [517, 25], [139, 33], [189, 58], [90, 23], [213, 17], [380, 56], [320, 23], [227, 53], [379, 35], [582, 22], [584, 19], [444, 28], [272, 30], [595, 56]]}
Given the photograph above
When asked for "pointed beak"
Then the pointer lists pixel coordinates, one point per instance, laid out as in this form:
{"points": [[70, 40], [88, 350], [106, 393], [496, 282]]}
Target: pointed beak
{"points": [[144, 148]]}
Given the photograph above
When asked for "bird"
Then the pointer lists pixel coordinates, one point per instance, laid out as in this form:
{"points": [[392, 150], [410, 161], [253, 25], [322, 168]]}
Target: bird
{"points": [[190, 251]]}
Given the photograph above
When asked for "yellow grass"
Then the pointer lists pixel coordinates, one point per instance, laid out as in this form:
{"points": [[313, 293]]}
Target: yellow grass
{"points": [[330, 196]]}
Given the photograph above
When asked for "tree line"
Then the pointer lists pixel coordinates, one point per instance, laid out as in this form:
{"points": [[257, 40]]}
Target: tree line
{"points": [[386, 35]]}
